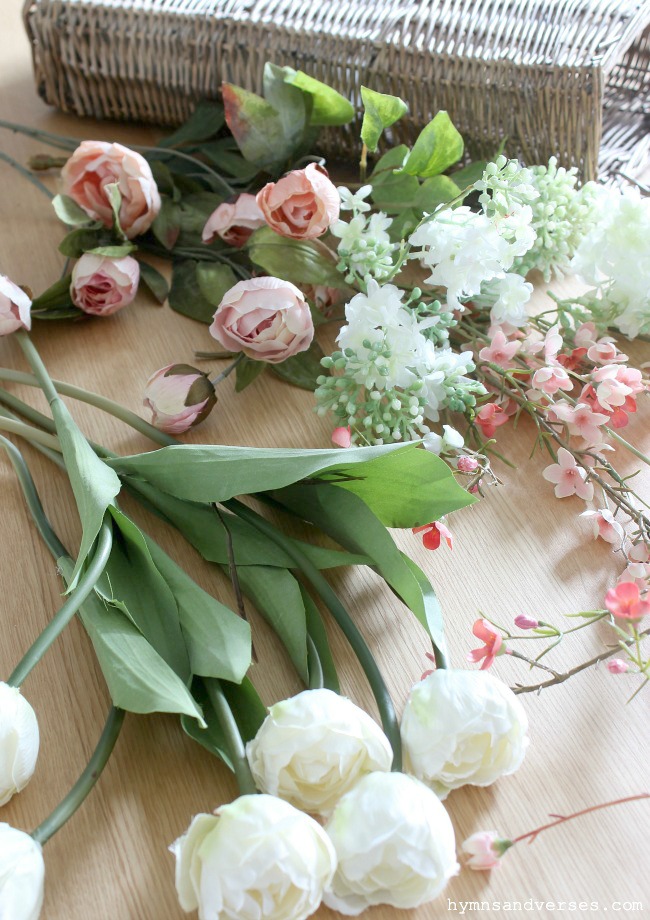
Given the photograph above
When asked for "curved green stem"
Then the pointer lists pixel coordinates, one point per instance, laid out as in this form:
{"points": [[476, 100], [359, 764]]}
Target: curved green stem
{"points": [[29, 433], [63, 616], [26, 173], [229, 727], [342, 617], [86, 781], [316, 676]]}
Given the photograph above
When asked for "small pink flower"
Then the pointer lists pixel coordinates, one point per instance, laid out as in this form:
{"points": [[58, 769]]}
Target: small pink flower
{"points": [[234, 221], [179, 396], [573, 360], [433, 533], [617, 666], [500, 351], [15, 307], [637, 572], [581, 419], [605, 526], [323, 298], [585, 335], [551, 379], [489, 418], [342, 437], [568, 477], [525, 622], [625, 601], [101, 285], [485, 850], [493, 643], [605, 352], [467, 464], [302, 205]]}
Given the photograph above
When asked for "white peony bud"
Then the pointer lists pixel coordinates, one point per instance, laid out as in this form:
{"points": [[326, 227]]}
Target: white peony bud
{"points": [[395, 845], [313, 747], [256, 858], [22, 873], [462, 727], [18, 742]]}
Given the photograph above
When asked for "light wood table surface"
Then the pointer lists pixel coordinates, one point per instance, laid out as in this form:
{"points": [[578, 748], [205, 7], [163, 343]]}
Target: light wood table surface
{"points": [[518, 551]]}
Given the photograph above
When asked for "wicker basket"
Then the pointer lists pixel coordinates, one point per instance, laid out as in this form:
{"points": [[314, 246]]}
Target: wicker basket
{"points": [[564, 77]]}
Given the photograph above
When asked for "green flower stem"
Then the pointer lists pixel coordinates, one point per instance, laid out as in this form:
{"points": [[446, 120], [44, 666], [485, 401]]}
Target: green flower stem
{"points": [[65, 613], [26, 173], [86, 781], [626, 444], [28, 432], [235, 741], [342, 617], [231, 367], [316, 676], [59, 141]]}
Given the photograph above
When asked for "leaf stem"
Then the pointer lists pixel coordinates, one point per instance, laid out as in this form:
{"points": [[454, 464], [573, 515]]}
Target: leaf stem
{"points": [[231, 367], [230, 729], [28, 432], [562, 819]]}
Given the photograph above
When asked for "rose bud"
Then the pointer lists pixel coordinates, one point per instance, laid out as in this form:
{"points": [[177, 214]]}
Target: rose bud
{"points": [[15, 307], [22, 874], [266, 318], [484, 850], [19, 741], [256, 857], [302, 205], [96, 164], [234, 221], [179, 397], [101, 285]]}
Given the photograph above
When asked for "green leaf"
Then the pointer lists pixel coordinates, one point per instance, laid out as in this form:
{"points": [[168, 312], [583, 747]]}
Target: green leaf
{"points": [[393, 192], [218, 641], [469, 174], [114, 252], [57, 296], [303, 369], [247, 707], [380, 111], [438, 147], [436, 191], [69, 212], [392, 159], [112, 192], [247, 371], [205, 122], [211, 735], [276, 595], [195, 210], [329, 107], [154, 281], [432, 620], [298, 261], [74, 244], [292, 106], [227, 157], [257, 127], [214, 281], [404, 223], [94, 484], [167, 225], [185, 295], [318, 635]]}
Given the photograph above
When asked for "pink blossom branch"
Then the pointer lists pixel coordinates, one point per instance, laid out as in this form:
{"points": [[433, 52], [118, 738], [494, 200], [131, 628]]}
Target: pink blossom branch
{"points": [[562, 819]]}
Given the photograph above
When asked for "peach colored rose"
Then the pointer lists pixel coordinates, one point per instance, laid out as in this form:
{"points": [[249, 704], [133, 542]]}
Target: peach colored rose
{"points": [[15, 307], [302, 205], [234, 221], [96, 164], [266, 318], [101, 285], [179, 396]]}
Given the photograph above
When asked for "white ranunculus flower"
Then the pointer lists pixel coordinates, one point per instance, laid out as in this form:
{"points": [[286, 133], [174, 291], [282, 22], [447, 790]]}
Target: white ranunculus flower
{"points": [[258, 858], [394, 842], [18, 742], [462, 727], [313, 747], [22, 873]]}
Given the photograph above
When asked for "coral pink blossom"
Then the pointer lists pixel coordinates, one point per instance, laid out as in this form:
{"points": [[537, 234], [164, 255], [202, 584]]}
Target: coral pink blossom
{"points": [[101, 285], [580, 419], [625, 601], [493, 642], [96, 164], [484, 849], [500, 351], [605, 526], [489, 418], [15, 307], [467, 464], [342, 437], [551, 379], [302, 205], [234, 221], [605, 352], [573, 360], [617, 666], [525, 622], [433, 533], [266, 318], [178, 397], [568, 477]]}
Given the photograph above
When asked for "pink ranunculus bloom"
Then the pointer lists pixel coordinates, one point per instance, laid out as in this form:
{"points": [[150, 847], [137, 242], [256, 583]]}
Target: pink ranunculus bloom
{"points": [[342, 437], [467, 464], [526, 622], [568, 477], [489, 418], [551, 379], [433, 533], [234, 221], [485, 850], [493, 640], [500, 351], [266, 318], [179, 396], [617, 666], [15, 307], [96, 164], [605, 352], [580, 419], [302, 205], [625, 602], [101, 285], [605, 526]]}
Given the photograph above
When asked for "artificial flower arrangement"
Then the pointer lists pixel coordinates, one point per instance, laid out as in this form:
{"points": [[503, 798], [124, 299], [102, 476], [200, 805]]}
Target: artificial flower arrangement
{"points": [[428, 279]]}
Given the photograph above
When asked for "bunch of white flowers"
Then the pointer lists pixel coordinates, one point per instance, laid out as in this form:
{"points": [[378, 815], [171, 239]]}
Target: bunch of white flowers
{"points": [[365, 248]]}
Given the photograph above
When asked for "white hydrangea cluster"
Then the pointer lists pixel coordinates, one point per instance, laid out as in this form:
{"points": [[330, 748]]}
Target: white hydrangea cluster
{"points": [[365, 248]]}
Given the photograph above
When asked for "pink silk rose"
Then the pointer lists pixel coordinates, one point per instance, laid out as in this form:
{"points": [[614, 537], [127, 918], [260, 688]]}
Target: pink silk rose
{"points": [[15, 307], [302, 205], [266, 318], [96, 164], [179, 396], [101, 285], [234, 221]]}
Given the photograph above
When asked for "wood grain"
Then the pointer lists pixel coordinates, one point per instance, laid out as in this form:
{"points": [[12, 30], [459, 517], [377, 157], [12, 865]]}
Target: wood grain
{"points": [[518, 550]]}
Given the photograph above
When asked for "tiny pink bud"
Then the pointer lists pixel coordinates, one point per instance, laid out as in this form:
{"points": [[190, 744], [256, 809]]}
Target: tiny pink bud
{"points": [[617, 666], [342, 437], [473, 489], [179, 397], [484, 850], [467, 464], [524, 622]]}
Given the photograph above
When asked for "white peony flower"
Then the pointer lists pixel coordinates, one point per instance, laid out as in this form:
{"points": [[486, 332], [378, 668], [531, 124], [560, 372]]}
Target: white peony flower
{"points": [[462, 727], [258, 858], [22, 874], [395, 845], [19, 742], [313, 747]]}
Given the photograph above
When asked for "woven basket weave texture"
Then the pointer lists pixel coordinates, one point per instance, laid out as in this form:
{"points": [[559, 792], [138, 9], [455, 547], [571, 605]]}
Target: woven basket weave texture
{"points": [[563, 77]]}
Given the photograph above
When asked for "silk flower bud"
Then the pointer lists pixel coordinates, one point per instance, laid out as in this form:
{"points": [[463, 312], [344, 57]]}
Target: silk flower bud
{"points": [[22, 875], [19, 742]]}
